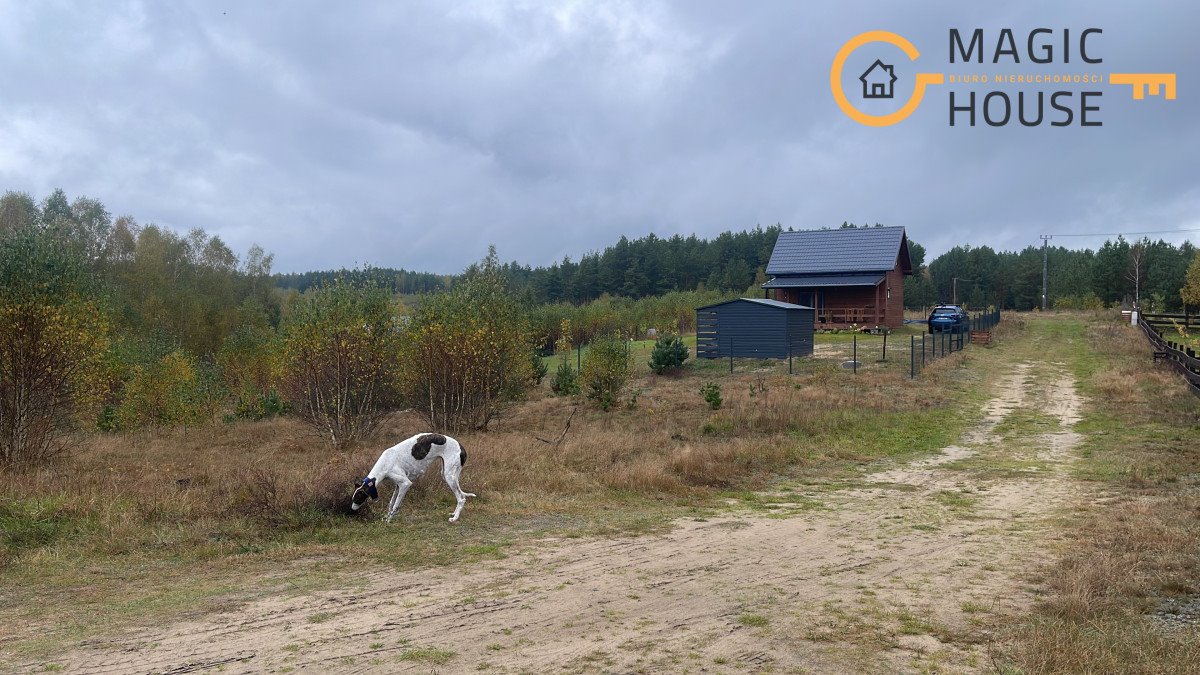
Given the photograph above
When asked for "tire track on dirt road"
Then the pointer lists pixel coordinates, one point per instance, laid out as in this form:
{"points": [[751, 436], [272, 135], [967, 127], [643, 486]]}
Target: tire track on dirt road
{"points": [[881, 575]]}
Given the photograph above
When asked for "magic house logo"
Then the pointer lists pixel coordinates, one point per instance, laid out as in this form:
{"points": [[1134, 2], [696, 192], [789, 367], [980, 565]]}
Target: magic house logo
{"points": [[1064, 87]]}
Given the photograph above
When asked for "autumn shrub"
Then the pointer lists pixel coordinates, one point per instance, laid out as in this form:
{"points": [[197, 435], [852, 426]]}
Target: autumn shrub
{"points": [[673, 312], [338, 353], [605, 371], [466, 354], [1087, 300], [53, 338], [175, 389], [248, 360], [668, 355]]}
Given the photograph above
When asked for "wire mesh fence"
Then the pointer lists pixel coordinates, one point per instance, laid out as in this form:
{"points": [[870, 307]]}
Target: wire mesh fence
{"points": [[905, 351], [901, 351]]}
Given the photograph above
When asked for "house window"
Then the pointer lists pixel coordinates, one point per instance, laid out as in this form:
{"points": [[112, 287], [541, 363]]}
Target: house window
{"points": [[889, 295]]}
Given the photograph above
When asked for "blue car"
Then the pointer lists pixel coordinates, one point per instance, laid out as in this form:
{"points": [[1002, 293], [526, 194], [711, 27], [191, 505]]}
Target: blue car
{"points": [[948, 319]]}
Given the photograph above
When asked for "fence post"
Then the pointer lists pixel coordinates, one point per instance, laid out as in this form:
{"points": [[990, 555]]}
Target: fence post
{"points": [[922, 350], [731, 355], [885, 346], [854, 357], [912, 357], [579, 357], [789, 357]]}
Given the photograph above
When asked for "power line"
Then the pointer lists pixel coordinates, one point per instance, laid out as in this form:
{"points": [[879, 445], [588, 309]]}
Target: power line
{"points": [[1118, 234], [1046, 249]]}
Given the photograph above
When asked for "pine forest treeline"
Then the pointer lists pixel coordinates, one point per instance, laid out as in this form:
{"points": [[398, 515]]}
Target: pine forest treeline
{"points": [[1121, 271]]}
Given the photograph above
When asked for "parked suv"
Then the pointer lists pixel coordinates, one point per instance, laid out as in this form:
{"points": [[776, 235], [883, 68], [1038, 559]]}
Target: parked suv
{"points": [[948, 319]]}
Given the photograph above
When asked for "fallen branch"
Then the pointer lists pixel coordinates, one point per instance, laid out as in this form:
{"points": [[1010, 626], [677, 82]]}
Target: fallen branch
{"points": [[564, 431]]}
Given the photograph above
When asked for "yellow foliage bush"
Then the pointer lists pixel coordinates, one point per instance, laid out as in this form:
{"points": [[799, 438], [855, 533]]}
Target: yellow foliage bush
{"points": [[466, 355], [337, 362], [51, 373], [171, 391]]}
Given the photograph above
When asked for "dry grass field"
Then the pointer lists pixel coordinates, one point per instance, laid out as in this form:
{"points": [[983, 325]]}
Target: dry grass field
{"points": [[1029, 507]]}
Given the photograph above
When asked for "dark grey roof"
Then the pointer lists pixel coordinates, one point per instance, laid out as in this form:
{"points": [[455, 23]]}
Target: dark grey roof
{"points": [[859, 249], [761, 301], [825, 281]]}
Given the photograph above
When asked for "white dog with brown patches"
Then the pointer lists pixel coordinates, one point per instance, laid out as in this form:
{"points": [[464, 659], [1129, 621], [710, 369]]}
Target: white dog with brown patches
{"points": [[405, 462]]}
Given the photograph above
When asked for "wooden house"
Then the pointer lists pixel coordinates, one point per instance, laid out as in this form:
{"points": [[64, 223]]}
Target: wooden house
{"points": [[849, 276]]}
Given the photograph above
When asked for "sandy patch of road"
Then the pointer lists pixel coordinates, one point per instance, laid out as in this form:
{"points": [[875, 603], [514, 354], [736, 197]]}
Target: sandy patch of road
{"points": [[894, 571]]}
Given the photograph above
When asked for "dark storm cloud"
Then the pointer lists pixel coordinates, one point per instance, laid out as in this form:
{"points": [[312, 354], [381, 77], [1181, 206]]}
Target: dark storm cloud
{"points": [[413, 135]]}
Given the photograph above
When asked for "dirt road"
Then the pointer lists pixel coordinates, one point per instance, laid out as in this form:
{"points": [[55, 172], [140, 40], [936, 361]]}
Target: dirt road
{"points": [[900, 569]]}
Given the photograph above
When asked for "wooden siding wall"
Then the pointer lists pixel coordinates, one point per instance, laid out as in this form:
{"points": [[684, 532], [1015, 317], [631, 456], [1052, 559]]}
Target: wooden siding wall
{"points": [[863, 305], [895, 304]]}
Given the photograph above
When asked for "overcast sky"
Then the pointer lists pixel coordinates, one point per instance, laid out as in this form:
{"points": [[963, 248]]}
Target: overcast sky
{"points": [[411, 134]]}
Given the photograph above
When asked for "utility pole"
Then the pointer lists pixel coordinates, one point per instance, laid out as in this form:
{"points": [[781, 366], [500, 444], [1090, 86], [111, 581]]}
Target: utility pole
{"points": [[1045, 266]]}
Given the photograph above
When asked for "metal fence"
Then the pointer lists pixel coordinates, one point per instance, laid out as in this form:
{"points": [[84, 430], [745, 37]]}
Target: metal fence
{"points": [[905, 353], [1181, 357]]}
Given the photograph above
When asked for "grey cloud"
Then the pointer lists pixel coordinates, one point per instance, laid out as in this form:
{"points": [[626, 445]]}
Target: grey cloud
{"points": [[414, 134]]}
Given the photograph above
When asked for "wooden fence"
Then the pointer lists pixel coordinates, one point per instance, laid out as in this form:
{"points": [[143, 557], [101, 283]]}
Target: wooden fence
{"points": [[1181, 357]]}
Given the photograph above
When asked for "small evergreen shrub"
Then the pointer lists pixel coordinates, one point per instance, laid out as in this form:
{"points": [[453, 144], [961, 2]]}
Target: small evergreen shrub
{"points": [[668, 355], [711, 391], [566, 380]]}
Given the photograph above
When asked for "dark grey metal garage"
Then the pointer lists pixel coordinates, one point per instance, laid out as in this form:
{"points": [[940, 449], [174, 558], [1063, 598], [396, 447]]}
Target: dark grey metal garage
{"points": [[754, 328]]}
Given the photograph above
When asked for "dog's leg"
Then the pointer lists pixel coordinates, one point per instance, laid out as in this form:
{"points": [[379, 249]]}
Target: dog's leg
{"points": [[402, 485], [450, 471]]}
